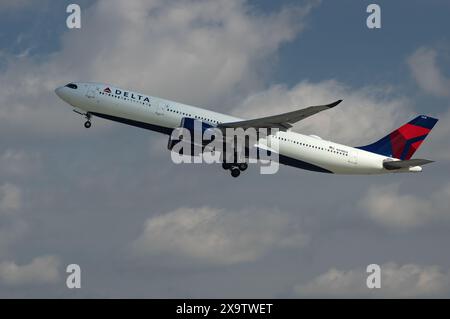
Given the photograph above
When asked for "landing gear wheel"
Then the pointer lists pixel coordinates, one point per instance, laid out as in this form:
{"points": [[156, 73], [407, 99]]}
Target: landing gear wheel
{"points": [[226, 166], [87, 124], [243, 166], [235, 172]]}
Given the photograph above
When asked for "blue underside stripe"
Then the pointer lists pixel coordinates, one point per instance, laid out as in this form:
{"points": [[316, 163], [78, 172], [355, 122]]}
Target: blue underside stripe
{"points": [[151, 127], [286, 160]]}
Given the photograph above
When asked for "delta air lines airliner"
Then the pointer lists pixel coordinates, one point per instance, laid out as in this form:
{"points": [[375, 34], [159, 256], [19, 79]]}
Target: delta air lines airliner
{"points": [[391, 154]]}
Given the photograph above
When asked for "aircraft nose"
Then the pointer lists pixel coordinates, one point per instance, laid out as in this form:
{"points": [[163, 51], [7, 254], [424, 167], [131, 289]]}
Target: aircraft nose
{"points": [[64, 93], [58, 92], [68, 92]]}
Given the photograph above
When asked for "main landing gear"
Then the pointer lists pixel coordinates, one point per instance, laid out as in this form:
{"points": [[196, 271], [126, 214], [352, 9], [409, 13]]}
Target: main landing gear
{"points": [[235, 168], [87, 116]]}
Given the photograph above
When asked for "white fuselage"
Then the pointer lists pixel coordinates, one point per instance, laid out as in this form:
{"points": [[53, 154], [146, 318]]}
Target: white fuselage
{"points": [[162, 115]]}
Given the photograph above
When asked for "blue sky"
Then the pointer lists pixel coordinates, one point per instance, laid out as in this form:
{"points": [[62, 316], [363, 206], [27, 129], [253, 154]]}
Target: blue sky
{"points": [[338, 44]]}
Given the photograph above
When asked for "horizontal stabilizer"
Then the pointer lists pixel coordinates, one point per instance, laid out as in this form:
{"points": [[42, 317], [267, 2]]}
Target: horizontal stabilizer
{"points": [[391, 165]]}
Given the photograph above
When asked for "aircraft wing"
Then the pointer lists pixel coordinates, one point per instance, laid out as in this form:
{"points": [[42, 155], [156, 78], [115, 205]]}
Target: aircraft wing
{"points": [[391, 165], [281, 121]]}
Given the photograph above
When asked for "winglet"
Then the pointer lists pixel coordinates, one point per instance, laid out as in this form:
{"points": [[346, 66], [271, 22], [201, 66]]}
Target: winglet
{"points": [[331, 105]]}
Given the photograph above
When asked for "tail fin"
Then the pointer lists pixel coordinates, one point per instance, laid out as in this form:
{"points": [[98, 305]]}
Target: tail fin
{"points": [[404, 141]]}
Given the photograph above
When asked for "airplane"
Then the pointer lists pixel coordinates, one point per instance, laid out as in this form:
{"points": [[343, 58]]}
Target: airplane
{"points": [[391, 154]]}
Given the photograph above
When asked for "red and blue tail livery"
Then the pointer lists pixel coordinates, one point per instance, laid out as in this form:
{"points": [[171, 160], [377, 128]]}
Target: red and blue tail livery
{"points": [[404, 141]]}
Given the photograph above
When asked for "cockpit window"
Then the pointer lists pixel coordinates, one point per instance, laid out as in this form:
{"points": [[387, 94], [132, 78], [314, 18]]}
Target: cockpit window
{"points": [[72, 86]]}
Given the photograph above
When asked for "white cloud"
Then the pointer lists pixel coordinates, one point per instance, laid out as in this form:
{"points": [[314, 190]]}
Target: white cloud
{"points": [[15, 162], [195, 51], [215, 236], [397, 281], [365, 115], [41, 270], [10, 232], [388, 207], [437, 145], [427, 74], [10, 198], [12, 225]]}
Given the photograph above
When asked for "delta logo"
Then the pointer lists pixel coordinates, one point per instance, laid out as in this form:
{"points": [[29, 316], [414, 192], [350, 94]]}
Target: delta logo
{"points": [[107, 90], [131, 95]]}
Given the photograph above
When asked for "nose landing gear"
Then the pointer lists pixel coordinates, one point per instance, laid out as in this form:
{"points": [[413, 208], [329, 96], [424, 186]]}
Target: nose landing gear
{"points": [[87, 116], [87, 124]]}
